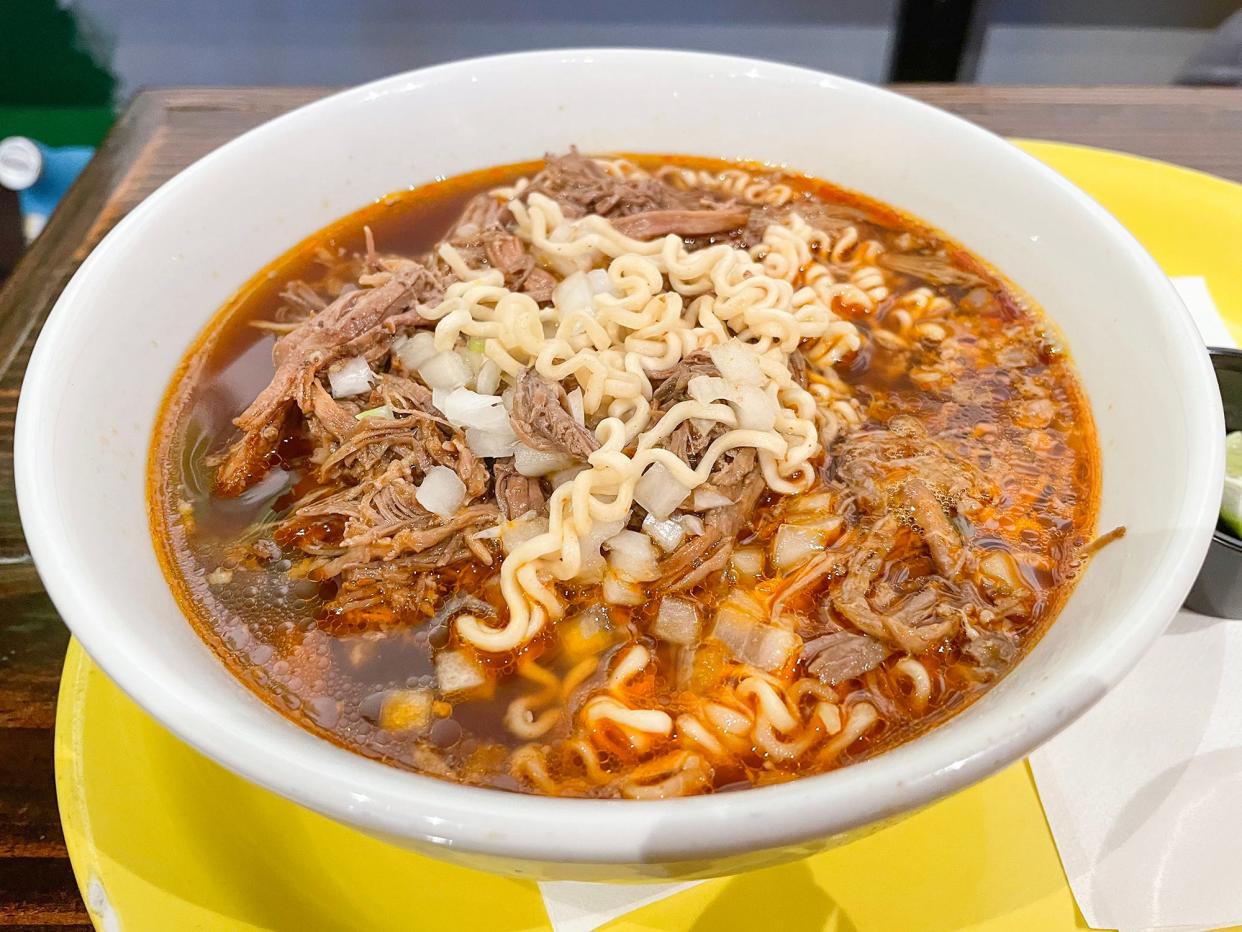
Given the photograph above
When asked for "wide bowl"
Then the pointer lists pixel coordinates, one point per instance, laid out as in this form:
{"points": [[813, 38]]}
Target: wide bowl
{"points": [[115, 337]]}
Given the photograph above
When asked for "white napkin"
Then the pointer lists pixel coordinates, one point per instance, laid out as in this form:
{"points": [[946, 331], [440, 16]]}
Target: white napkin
{"points": [[1144, 796], [1144, 793], [581, 907]]}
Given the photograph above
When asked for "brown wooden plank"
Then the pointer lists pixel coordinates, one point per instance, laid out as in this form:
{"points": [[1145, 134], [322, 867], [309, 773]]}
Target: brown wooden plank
{"points": [[39, 891], [1200, 127], [29, 818], [32, 651]]}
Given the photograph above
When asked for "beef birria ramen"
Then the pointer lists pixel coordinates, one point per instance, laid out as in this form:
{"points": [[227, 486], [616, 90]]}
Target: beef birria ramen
{"points": [[639, 477]]}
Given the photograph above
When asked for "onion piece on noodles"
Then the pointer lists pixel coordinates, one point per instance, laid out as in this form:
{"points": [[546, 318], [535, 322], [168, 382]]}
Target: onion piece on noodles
{"points": [[659, 491]]}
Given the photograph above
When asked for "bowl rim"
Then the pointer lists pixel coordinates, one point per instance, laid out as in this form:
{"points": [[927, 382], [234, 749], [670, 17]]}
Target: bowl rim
{"points": [[400, 804]]}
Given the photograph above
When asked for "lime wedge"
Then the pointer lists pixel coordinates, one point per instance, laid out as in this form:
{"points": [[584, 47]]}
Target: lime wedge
{"points": [[1231, 500], [1233, 454]]}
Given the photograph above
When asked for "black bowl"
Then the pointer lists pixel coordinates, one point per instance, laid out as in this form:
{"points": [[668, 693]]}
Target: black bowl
{"points": [[1218, 590]]}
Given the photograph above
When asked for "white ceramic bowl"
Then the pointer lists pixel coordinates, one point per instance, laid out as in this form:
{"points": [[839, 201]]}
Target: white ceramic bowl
{"points": [[109, 348]]}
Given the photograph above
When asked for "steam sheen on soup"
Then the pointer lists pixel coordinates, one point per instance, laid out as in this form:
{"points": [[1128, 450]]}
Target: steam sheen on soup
{"points": [[637, 477]]}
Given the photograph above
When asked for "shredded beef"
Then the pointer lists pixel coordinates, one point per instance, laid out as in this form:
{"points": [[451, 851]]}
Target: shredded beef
{"points": [[402, 394], [541, 419], [581, 186], [688, 443], [842, 655], [420, 544], [876, 463], [674, 380], [697, 558], [651, 224], [349, 326], [933, 268], [515, 494], [482, 212], [797, 368], [993, 652], [506, 253], [539, 284], [913, 622], [249, 458]]}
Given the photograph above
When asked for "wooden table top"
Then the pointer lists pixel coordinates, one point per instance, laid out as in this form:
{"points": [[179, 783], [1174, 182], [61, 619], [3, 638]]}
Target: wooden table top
{"points": [[163, 131]]}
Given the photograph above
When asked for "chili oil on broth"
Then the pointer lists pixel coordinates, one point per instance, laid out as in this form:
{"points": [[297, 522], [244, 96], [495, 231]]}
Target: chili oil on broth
{"points": [[1006, 402]]}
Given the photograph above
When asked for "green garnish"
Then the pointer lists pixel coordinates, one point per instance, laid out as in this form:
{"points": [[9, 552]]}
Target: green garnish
{"points": [[1231, 500]]}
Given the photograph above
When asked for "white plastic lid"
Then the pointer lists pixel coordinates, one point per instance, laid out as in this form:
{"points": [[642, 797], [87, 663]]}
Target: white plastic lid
{"points": [[21, 163]]}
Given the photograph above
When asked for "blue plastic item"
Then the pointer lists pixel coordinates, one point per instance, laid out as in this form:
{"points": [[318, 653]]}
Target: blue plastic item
{"points": [[54, 170]]}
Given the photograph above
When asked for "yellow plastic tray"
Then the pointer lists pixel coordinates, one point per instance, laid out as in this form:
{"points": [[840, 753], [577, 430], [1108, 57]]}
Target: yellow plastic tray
{"points": [[179, 843]]}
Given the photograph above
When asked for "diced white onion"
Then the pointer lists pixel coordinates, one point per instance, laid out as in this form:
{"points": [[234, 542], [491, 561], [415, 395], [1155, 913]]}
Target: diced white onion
{"points": [[572, 294], [741, 601], [588, 633], [575, 406], [351, 377], [775, 649], [491, 533], [668, 533], [456, 672], [620, 590], [561, 476], [600, 282], [829, 527], [794, 544], [693, 524], [706, 497], [737, 362], [677, 622], [800, 506], [465, 408], [709, 388], [488, 379], [494, 443], [633, 554], [521, 529], [406, 709], [756, 410], [441, 491], [753, 641], [659, 491], [591, 569], [747, 562], [445, 370], [999, 567], [412, 352], [531, 462]]}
